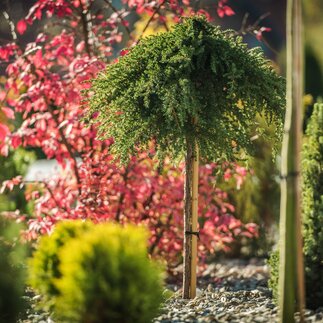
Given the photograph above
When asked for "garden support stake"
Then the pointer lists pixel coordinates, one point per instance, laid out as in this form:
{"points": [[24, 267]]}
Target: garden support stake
{"points": [[195, 183], [190, 220], [291, 280]]}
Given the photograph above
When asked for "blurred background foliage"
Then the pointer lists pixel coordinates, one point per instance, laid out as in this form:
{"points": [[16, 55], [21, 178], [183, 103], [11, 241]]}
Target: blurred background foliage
{"points": [[313, 28], [12, 278], [258, 198], [15, 164]]}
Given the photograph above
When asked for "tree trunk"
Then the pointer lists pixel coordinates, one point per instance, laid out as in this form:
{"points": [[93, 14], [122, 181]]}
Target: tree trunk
{"points": [[190, 221], [291, 275]]}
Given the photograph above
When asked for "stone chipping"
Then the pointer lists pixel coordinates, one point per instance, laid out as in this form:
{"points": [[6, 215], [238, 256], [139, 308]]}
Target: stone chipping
{"points": [[233, 291]]}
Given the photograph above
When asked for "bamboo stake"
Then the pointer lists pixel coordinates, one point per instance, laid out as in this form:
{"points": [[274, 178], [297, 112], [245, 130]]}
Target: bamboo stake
{"points": [[195, 179], [291, 272], [188, 219]]}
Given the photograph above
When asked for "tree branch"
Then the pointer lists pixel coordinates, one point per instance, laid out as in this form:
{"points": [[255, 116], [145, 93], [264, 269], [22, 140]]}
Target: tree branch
{"points": [[85, 27], [53, 196], [150, 20], [119, 15], [123, 194], [51, 193], [11, 25], [160, 234], [68, 147]]}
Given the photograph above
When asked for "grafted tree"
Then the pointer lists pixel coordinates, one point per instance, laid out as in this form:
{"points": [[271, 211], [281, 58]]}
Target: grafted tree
{"points": [[194, 90]]}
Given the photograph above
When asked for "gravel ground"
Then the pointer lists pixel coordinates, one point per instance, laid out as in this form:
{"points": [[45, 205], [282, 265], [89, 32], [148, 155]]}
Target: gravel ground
{"points": [[231, 291]]}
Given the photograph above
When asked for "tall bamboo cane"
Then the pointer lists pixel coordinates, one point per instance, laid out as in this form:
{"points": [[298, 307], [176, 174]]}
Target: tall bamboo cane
{"points": [[195, 178], [190, 220], [291, 273]]}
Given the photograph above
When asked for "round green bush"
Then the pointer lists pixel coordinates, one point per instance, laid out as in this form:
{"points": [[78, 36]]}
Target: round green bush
{"points": [[107, 277], [44, 265], [11, 272]]}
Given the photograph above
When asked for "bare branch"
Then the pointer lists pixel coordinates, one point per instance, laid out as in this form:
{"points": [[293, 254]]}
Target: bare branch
{"points": [[11, 25], [252, 29], [68, 147], [259, 20], [119, 15], [269, 46], [157, 10], [86, 30], [50, 191]]}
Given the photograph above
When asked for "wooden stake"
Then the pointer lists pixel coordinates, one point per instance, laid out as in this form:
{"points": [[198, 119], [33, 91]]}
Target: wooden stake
{"points": [[187, 220], [190, 221], [291, 272], [195, 179]]}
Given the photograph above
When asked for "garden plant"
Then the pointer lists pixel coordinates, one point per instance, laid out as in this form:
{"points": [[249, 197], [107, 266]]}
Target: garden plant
{"points": [[44, 265], [193, 90], [110, 277], [97, 274], [312, 202]]}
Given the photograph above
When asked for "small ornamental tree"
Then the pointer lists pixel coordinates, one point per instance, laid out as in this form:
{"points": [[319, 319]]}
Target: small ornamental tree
{"points": [[195, 89]]}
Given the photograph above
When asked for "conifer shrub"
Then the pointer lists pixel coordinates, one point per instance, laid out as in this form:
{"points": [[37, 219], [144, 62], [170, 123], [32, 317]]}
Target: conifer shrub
{"points": [[312, 208], [11, 272], [107, 277], [198, 72], [44, 265]]}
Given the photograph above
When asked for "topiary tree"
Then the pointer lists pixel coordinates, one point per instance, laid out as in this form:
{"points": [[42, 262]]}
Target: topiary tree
{"points": [[195, 89], [107, 277]]}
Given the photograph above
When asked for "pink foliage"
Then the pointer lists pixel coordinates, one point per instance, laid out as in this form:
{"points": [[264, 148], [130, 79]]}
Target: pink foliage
{"points": [[46, 78], [223, 9], [260, 31], [21, 26]]}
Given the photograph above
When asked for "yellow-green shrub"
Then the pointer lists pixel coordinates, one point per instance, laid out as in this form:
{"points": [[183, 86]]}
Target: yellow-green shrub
{"points": [[107, 277], [44, 265]]}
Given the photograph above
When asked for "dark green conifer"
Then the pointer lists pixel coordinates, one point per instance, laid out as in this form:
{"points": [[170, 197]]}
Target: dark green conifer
{"points": [[194, 72], [195, 88]]}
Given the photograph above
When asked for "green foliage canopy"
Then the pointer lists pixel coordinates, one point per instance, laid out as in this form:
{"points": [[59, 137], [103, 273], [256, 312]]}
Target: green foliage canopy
{"points": [[195, 82]]}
